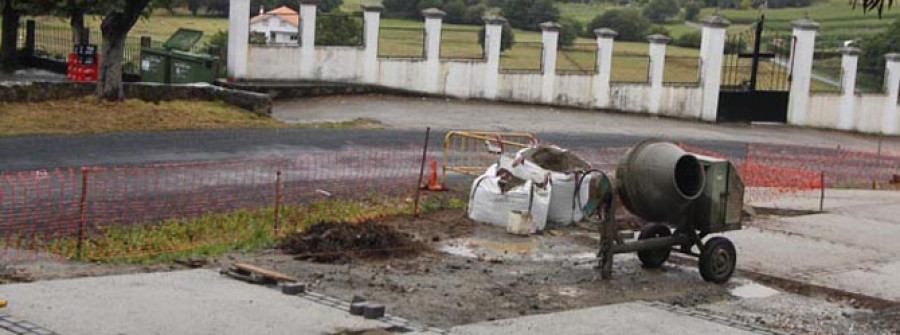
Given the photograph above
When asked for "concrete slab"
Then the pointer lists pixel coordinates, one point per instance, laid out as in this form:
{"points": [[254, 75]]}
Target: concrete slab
{"points": [[880, 280], [844, 229], [184, 302], [851, 247], [627, 318], [795, 256]]}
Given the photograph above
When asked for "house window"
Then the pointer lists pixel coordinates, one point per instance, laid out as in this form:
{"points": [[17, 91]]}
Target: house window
{"points": [[294, 37], [284, 24]]}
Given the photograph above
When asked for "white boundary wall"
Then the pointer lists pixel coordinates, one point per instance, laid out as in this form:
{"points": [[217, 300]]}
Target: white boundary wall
{"points": [[483, 79]]}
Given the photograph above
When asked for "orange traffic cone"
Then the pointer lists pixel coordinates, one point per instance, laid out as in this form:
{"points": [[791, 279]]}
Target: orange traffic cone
{"points": [[432, 178]]}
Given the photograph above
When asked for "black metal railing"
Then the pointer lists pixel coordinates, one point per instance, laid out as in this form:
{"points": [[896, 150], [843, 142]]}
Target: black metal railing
{"points": [[460, 43], [54, 42], [578, 58], [522, 56], [630, 68], [681, 70], [401, 42]]}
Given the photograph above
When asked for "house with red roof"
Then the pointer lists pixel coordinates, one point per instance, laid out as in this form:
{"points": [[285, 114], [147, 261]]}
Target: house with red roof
{"points": [[280, 25]]}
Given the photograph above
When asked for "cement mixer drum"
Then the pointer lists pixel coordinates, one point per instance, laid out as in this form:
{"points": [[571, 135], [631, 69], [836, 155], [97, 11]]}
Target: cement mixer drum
{"points": [[658, 181]]}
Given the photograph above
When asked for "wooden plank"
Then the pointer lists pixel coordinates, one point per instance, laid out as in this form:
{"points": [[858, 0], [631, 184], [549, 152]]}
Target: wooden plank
{"points": [[278, 276]]}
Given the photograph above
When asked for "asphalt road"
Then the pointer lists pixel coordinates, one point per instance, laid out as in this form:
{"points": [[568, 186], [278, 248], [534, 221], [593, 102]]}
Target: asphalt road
{"points": [[48, 152]]}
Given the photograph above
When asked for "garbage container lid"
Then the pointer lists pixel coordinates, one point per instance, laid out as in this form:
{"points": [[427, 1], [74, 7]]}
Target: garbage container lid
{"points": [[183, 39]]}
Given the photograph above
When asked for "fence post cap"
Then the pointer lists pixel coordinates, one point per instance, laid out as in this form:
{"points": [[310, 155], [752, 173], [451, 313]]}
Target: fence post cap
{"points": [[433, 13], [605, 33], [892, 57], [657, 38], [550, 26], [369, 7], [805, 24], [494, 19], [716, 21], [850, 51]]}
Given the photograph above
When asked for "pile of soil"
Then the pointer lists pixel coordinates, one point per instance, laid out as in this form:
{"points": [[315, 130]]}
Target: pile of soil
{"points": [[331, 242]]}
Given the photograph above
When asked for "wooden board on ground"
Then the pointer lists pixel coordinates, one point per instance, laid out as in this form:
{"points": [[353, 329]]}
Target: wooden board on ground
{"points": [[277, 276]]}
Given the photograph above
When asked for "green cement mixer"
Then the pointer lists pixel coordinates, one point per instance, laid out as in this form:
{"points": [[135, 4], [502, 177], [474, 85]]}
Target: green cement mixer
{"points": [[683, 197]]}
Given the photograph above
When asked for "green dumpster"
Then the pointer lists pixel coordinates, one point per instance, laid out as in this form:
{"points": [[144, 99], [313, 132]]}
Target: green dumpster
{"points": [[174, 63]]}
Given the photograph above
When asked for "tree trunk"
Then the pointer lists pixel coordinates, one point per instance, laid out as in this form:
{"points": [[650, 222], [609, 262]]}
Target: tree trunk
{"points": [[10, 38], [109, 80], [115, 27], [76, 22]]}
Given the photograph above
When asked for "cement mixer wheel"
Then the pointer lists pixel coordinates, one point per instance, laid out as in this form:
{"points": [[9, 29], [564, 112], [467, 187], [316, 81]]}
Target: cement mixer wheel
{"points": [[717, 260], [654, 258]]}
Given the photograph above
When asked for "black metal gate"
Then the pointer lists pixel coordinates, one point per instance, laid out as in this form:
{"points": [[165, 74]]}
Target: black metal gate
{"points": [[755, 76]]}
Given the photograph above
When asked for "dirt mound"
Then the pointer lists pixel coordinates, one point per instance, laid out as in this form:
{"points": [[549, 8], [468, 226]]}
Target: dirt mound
{"points": [[340, 241]]}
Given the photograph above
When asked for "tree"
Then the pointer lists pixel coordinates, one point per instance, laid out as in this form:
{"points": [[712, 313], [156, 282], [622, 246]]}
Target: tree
{"points": [[456, 11], [628, 22], [11, 15], [507, 37], [691, 10], [870, 5], [690, 39], [120, 17], [528, 14], [194, 6], [875, 47], [658, 11], [568, 32], [338, 29]]}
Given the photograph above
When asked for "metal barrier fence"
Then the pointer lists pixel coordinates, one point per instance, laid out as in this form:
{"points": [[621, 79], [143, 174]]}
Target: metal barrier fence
{"points": [[460, 43], [470, 152], [172, 209], [401, 42], [125, 212]]}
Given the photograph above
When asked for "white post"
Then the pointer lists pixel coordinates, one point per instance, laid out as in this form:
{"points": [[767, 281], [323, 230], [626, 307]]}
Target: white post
{"points": [[657, 69], [433, 20], [605, 38], [892, 89], [550, 39], [848, 87], [372, 20], [712, 51], [493, 34], [238, 38], [804, 38], [307, 38]]}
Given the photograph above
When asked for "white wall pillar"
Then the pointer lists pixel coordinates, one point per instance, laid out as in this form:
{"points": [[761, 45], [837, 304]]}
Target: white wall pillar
{"points": [[433, 19], [804, 43], [605, 38], [889, 119], [307, 38], [372, 22], [848, 87], [493, 35], [238, 38], [657, 69], [550, 39], [712, 51]]}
